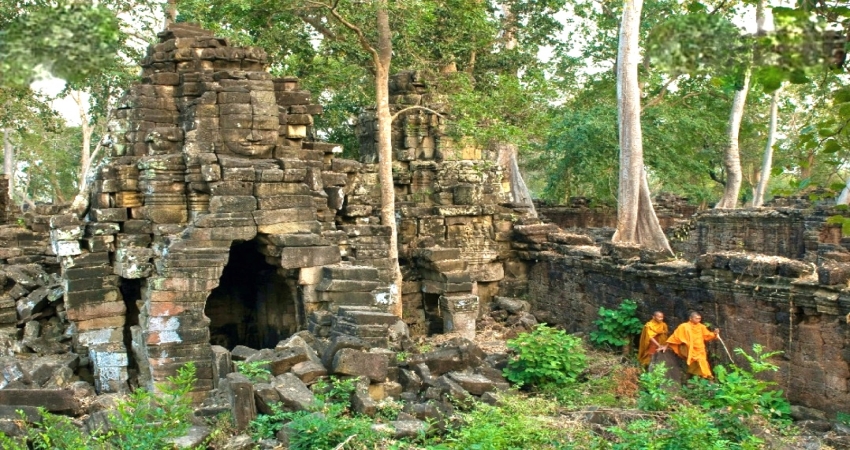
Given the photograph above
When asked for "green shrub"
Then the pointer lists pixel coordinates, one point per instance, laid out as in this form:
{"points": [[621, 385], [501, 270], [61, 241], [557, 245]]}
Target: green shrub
{"points": [[737, 390], [330, 427], [655, 389], [615, 327], [643, 434], [256, 371], [545, 356], [142, 421], [148, 420], [689, 428], [515, 423], [325, 425], [266, 426]]}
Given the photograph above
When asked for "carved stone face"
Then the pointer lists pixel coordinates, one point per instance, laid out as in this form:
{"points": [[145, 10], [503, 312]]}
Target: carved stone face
{"points": [[249, 119]]}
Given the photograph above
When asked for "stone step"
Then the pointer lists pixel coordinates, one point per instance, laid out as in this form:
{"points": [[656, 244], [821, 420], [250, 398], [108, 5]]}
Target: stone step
{"points": [[366, 316], [347, 285]]}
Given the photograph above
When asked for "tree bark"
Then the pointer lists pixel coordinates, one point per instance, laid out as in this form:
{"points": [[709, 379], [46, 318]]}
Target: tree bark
{"points": [[636, 219], [87, 131], [520, 194], [732, 156], [170, 12], [8, 160], [385, 155], [845, 193], [767, 161]]}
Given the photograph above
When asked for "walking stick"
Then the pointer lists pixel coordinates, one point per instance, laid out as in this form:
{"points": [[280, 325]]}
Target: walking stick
{"points": [[725, 348]]}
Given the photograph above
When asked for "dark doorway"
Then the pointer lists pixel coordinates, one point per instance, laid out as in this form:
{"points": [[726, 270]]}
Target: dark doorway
{"points": [[433, 315], [253, 304], [131, 292]]}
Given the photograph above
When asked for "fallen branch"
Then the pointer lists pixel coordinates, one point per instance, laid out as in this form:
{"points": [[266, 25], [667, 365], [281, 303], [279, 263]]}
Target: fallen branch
{"points": [[342, 444]]}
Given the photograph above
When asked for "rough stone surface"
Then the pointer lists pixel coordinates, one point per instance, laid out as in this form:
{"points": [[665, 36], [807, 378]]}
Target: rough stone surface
{"points": [[354, 362], [293, 392]]}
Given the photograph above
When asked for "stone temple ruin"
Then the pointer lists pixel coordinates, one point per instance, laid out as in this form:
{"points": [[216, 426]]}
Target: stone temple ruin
{"points": [[219, 225], [218, 221]]}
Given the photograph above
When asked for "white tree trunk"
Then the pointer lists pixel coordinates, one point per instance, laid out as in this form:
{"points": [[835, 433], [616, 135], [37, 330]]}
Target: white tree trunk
{"points": [[844, 195], [767, 161], [636, 219], [520, 194], [9, 160], [87, 131], [385, 154], [732, 156], [8, 154]]}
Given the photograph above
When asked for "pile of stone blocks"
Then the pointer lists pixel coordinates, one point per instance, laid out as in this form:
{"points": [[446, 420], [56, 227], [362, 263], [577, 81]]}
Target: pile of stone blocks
{"points": [[430, 383]]}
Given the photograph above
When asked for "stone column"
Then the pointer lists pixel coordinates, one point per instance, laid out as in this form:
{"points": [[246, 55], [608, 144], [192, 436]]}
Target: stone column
{"points": [[459, 313]]}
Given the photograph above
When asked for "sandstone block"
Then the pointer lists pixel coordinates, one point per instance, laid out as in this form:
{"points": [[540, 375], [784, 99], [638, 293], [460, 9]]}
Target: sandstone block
{"points": [[266, 396], [242, 403], [285, 359], [309, 371], [295, 257], [293, 392], [475, 384], [338, 343], [349, 361]]}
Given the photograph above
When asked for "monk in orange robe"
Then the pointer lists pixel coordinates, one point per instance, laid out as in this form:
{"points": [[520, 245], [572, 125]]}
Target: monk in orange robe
{"points": [[653, 338], [688, 341]]}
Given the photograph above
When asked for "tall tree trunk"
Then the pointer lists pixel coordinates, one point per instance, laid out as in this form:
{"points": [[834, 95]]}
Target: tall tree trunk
{"points": [[844, 195], [87, 131], [509, 27], [520, 194], [732, 156], [382, 57], [636, 219], [170, 12], [385, 154], [9, 160], [767, 161]]}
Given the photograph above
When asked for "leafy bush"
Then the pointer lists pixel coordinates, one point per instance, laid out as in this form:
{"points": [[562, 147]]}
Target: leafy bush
{"points": [[615, 327], [515, 423], [739, 391], [256, 371], [689, 428], [142, 421], [330, 427], [266, 426], [545, 356], [159, 417], [655, 394], [327, 424]]}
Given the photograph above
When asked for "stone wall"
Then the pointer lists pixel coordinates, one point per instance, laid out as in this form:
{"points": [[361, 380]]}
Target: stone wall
{"points": [[581, 213], [774, 301], [779, 232]]}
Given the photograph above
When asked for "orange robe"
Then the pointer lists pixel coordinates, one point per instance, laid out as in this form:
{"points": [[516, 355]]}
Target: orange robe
{"points": [[647, 348], [688, 341]]}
